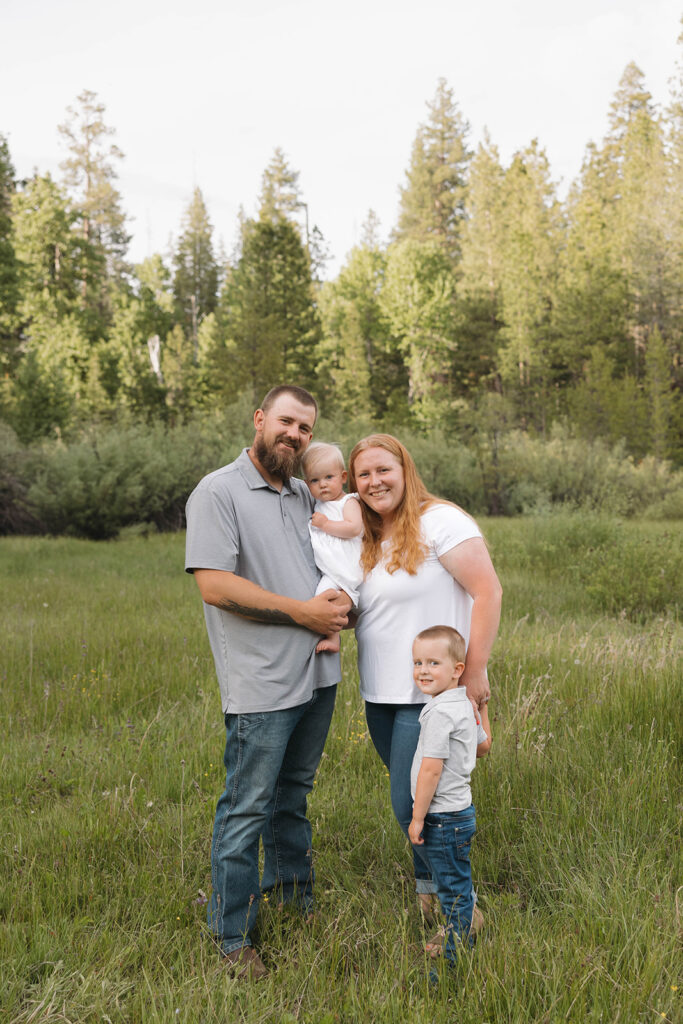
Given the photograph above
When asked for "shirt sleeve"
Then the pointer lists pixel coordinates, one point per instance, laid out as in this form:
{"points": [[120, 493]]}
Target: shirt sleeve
{"points": [[481, 734], [212, 540], [436, 735], [446, 526]]}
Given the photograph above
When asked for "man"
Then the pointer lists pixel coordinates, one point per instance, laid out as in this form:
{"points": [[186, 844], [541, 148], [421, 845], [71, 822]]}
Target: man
{"points": [[249, 548]]}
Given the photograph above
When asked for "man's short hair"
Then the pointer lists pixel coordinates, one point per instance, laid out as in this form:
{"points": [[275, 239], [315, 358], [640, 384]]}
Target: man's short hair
{"points": [[301, 395], [457, 649]]}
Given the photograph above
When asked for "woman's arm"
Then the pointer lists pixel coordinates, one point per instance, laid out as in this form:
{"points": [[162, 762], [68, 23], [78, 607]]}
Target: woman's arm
{"points": [[469, 563]]}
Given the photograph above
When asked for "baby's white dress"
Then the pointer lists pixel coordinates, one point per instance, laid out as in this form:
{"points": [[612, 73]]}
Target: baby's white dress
{"points": [[338, 558]]}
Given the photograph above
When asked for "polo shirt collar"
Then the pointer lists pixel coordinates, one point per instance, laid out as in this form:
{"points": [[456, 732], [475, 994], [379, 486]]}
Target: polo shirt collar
{"points": [[253, 478], [457, 694]]}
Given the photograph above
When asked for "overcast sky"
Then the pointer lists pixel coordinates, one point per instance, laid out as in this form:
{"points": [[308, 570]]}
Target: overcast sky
{"points": [[201, 92]]}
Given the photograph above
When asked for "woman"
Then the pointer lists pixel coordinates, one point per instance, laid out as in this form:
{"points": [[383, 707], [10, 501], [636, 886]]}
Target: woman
{"points": [[425, 564]]}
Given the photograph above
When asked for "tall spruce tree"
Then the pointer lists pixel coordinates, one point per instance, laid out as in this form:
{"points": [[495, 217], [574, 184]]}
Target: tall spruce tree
{"points": [[532, 239], [268, 316], [9, 269], [358, 364], [479, 284], [89, 176], [417, 301], [195, 282], [433, 198]]}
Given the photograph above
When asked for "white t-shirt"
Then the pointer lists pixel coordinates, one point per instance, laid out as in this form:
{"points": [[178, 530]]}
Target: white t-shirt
{"points": [[394, 608]]}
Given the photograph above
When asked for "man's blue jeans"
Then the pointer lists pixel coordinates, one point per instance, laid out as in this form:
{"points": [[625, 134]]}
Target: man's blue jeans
{"points": [[394, 730], [447, 838], [270, 760]]}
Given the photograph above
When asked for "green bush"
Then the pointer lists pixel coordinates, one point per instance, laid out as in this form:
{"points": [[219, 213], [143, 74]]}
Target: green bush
{"points": [[640, 576], [121, 478], [15, 516]]}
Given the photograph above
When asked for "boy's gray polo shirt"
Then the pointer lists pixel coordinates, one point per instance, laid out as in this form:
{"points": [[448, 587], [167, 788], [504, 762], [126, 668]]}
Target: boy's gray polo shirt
{"points": [[238, 523], [448, 731]]}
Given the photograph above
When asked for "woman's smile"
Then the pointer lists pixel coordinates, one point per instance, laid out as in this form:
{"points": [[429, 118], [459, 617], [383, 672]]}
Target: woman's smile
{"points": [[380, 481]]}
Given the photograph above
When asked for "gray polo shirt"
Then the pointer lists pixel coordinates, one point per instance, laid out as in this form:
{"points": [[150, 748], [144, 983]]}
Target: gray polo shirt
{"points": [[448, 731], [238, 523]]}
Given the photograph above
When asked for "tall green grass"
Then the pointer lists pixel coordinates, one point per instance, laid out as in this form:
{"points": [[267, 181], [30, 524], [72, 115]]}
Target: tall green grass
{"points": [[111, 763]]}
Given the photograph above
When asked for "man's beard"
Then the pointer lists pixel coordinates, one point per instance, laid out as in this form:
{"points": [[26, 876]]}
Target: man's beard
{"points": [[282, 463]]}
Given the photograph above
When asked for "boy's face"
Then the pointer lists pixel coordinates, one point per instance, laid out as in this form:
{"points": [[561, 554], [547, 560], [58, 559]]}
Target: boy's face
{"points": [[433, 668], [326, 481]]}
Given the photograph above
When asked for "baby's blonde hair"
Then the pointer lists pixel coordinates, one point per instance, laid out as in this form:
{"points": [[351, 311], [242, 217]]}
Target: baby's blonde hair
{"points": [[319, 451]]}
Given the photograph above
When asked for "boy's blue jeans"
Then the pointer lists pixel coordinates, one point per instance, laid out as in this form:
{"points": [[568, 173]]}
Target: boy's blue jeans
{"points": [[447, 839], [270, 760]]}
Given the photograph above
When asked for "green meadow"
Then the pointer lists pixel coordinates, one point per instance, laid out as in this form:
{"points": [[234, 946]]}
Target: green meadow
{"points": [[111, 763]]}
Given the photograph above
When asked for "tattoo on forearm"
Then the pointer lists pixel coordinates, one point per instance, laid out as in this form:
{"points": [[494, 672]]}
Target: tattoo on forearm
{"points": [[271, 615]]}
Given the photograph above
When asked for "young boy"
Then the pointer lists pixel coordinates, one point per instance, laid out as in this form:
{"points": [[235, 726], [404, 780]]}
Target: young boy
{"points": [[443, 813]]}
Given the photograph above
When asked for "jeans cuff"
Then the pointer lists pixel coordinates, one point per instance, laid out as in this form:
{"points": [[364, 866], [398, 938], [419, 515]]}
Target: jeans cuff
{"points": [[425, 886], [229, 947]]}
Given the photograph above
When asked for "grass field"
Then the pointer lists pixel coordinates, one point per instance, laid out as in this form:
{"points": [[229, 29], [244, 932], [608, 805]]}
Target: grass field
{"points": [[111, 762]]}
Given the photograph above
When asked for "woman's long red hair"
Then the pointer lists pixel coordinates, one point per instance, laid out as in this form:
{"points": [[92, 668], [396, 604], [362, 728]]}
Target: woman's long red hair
{"points": [[408, 550]]}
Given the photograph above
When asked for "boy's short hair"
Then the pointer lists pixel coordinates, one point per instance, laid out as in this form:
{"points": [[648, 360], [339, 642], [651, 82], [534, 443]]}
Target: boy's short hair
{"points": [[316, 452], [457, 648]]}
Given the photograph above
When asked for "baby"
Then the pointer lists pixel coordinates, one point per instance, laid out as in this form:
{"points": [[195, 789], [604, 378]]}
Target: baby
{"points": [[336, 526]]}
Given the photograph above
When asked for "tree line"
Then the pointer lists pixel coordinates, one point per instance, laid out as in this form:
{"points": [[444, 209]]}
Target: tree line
{"points": [[494, 306]]}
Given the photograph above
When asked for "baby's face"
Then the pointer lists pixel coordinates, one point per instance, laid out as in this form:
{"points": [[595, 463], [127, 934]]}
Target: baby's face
{"points": [[326, 481]]}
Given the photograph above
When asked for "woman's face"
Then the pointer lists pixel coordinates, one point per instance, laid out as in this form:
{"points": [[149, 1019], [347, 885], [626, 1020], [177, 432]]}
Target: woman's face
{"points": [[380, 481]]}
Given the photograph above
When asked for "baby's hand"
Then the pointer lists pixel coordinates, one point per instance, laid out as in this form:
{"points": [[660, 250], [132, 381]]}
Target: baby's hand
{"points": [[319, 520]]}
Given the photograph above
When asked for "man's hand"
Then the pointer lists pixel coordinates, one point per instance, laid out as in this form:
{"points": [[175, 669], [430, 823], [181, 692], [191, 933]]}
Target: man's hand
{"points": [[325, 613], [477, 685], [415, 831], [319, 520]]}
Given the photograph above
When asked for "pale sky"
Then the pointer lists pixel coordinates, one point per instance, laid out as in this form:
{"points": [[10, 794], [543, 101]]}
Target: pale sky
{"points": [[201, 92]]}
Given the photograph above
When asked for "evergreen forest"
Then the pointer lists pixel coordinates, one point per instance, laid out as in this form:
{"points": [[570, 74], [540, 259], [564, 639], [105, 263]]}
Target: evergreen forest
{"points": [[495, 314]]}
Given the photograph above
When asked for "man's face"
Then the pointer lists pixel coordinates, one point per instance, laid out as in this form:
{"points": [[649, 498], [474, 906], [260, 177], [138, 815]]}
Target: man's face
{"points": [[283, 435]]}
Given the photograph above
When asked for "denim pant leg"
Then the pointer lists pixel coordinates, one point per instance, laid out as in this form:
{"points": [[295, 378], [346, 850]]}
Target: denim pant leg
{"points": [[257, 746], [394, 730], [448, 838], [288, 864]]}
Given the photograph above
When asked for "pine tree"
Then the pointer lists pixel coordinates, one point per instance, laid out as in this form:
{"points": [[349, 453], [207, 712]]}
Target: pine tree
{"points": [[270, 323], [89, 173], [9, 269], [432, 200], [641, 223], [532, 239], [280, 191], [195, 283], [358, 364], [417, 301], [481, 268]]}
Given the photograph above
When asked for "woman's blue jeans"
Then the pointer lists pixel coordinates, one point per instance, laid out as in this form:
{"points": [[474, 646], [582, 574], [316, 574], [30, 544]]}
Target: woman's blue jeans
{"points": [[394, 730], [270, 760]]}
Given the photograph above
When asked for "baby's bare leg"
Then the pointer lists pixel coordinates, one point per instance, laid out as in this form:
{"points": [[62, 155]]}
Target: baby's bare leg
{"points": [[331, 642]]}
